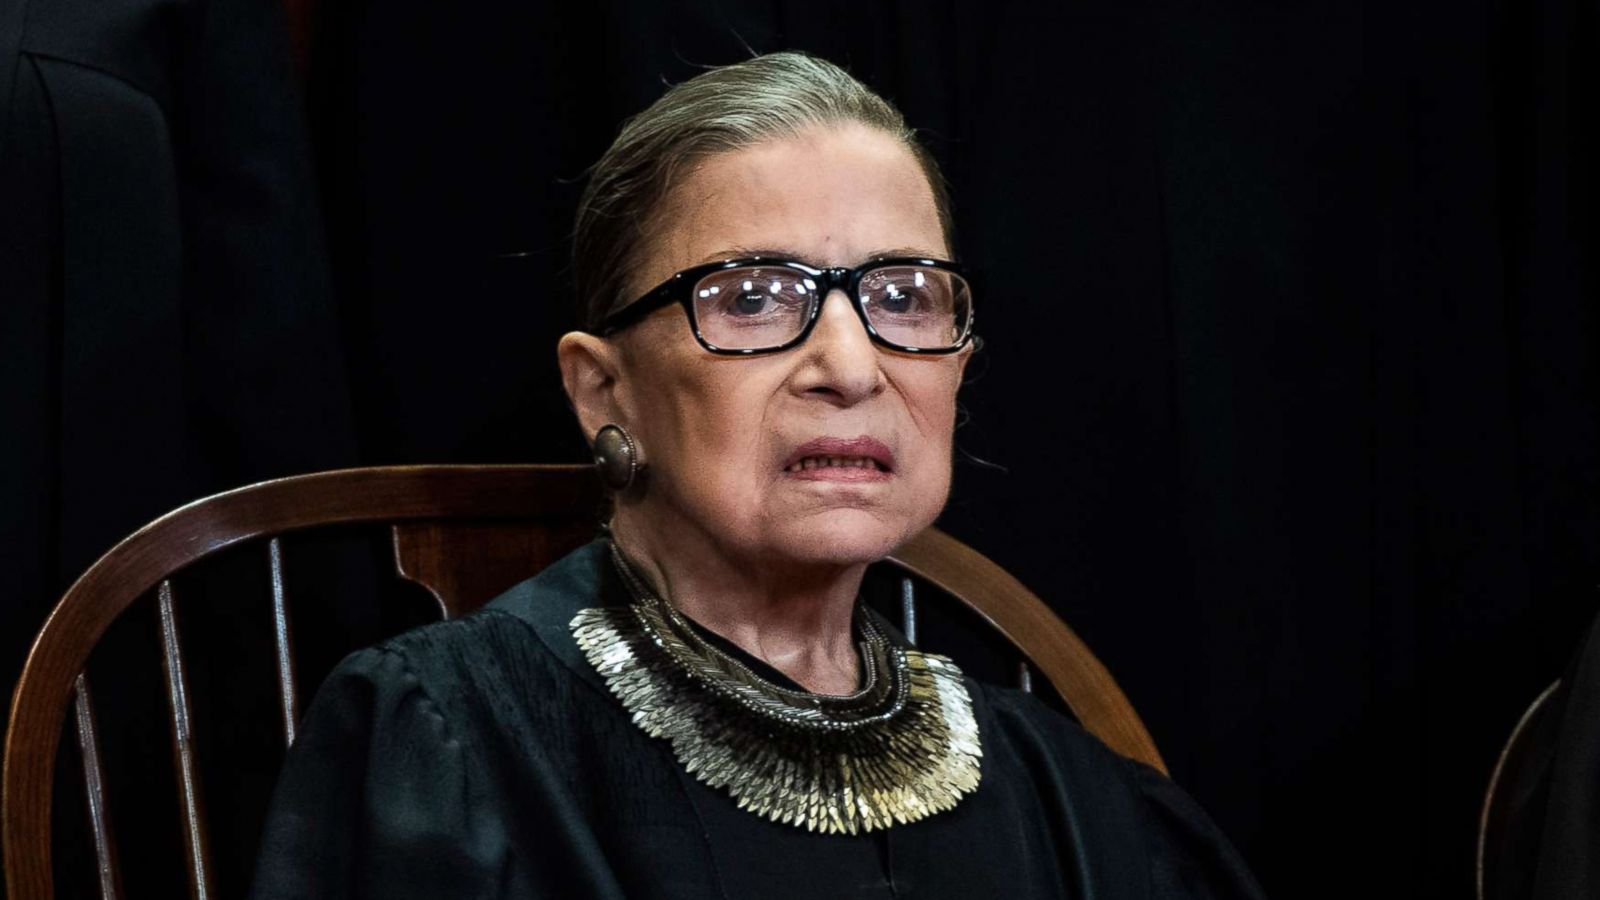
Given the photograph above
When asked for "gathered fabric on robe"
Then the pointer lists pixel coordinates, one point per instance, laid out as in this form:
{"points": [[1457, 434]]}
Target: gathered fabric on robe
{"points": [[485, 758]]}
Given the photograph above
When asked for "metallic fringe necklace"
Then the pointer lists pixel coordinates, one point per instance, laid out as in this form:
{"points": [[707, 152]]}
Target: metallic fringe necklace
{"points": [[900, 749]]}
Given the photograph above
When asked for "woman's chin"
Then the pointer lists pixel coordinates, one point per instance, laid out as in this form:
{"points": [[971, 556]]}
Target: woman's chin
{"points": [[841, 537]]}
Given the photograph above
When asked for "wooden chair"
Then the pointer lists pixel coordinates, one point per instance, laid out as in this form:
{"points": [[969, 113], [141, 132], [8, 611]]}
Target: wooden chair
{"points": [[465, 533]]}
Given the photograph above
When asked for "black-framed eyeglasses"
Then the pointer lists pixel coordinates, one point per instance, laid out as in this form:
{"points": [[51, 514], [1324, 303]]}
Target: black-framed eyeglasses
{"points": [[741, 307]]}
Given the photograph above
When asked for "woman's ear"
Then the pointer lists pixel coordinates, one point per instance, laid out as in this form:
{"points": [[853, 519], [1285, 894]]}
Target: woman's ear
{"points": [[591, 370]]}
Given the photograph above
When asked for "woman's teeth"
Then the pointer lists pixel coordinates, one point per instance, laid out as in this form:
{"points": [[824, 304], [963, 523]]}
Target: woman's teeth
{"points": [[848, 462]]}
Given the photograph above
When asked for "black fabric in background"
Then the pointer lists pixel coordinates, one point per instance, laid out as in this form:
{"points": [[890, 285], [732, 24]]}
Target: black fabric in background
{"points": [[1289, 396], [167, 331]]}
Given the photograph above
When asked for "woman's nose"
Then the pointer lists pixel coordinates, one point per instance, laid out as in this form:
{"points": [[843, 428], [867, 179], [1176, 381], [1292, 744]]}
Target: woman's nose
{"points": [[842, 360]]}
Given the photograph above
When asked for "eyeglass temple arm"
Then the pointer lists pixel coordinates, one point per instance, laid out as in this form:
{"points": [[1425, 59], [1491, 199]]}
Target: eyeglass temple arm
{"points": [[633, 312]]}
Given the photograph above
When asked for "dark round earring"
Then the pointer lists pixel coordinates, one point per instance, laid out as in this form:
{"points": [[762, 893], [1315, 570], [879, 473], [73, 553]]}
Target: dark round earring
{"points": [[616, 457]]}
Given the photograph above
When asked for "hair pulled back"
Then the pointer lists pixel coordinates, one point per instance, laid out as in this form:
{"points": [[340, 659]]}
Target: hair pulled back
{"points": [[775, 96]]}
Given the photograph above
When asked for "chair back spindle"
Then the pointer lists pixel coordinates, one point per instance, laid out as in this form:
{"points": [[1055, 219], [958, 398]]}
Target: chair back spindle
{"points": [[192, 807], [107, 876], [908, 611], [287, 700]]}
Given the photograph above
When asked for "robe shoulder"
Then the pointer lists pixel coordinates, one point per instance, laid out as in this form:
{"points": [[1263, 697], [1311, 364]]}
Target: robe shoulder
{"points": [[378, 796], [1185, 854], [398, 784]]}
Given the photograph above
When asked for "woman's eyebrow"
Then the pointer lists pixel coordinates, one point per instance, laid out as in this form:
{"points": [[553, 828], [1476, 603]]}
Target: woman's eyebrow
{"points": [[903, 251], [747, 252], [789, 253]]}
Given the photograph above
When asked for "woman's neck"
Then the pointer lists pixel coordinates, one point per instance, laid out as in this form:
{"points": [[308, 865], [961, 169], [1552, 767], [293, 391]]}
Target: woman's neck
{"points": [[795, 617]]}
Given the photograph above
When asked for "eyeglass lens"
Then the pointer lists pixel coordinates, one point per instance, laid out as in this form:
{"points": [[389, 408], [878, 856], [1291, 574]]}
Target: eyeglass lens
{"points": [[760, 307]]}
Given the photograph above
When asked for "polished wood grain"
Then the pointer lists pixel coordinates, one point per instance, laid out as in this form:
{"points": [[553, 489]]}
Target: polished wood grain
{"points": [[430, 554], [465, 533]]}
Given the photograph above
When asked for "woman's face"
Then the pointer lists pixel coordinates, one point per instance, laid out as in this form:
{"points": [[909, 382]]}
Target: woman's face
{"points": [[724, 437]]}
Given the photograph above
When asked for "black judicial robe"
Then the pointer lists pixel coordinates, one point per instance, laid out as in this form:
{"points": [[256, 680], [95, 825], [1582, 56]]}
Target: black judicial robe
{"points": [[485, 758]]}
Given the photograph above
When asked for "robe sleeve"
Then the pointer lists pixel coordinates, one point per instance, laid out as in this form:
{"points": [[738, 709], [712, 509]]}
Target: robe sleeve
{"points": [[377, 797], [1189, 857]]}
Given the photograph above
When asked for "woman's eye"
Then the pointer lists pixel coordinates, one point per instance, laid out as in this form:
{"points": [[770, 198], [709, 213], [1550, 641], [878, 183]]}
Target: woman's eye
{"points": [[759, 298], [895, 300], [749, 303]]}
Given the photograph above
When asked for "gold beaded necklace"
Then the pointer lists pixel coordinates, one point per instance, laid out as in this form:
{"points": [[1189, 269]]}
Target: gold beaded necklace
{"points": [[902, 747]]}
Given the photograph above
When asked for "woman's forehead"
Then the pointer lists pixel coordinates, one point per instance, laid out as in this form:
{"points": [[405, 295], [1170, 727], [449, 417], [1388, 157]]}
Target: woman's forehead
{"points": [[831, 197]]}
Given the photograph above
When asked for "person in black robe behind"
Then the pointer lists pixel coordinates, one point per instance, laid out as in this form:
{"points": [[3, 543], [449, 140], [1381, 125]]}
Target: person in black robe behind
{"points": [[698, 704]]}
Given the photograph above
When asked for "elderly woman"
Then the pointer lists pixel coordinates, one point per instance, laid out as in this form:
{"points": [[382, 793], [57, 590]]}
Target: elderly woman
{"points": [[698, 705]]}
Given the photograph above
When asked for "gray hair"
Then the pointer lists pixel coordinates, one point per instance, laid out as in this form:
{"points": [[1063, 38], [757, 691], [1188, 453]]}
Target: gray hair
{"points": [[728, 108]]}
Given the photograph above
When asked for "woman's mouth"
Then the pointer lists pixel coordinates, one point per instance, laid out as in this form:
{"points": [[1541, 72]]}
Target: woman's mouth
{"points": [[835, 462], [841, 459]]}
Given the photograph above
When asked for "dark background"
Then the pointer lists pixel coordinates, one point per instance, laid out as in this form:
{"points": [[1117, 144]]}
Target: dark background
{"points": [[1288, 400]]}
